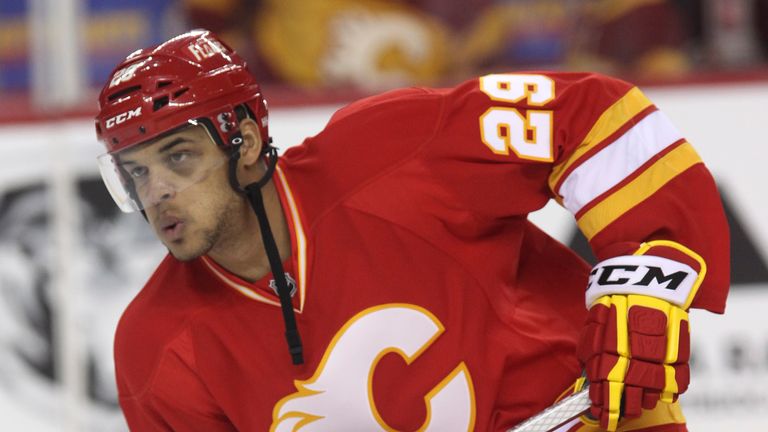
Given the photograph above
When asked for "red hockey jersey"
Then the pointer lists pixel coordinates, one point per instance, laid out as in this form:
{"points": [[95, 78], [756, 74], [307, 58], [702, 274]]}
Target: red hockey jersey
{"points": [[425, 299]]}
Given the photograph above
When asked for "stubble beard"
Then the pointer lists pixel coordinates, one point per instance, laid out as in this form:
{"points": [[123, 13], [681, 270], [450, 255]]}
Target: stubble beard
{"points": [[214, 236], [208, 237]]}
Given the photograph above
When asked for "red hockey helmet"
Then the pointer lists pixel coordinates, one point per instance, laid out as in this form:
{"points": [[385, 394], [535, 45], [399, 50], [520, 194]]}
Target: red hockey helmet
{"points": [[194, 78]]}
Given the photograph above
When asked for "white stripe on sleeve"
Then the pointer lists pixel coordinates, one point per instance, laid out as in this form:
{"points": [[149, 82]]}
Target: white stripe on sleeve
{"points": [[618, 160]]}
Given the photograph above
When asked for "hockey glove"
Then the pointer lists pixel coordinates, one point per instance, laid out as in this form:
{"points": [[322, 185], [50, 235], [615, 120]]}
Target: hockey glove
{"points": [[635, 346]]}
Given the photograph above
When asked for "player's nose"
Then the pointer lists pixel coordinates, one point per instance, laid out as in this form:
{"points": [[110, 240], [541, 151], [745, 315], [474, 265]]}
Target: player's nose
{"points": [[158, 190]]}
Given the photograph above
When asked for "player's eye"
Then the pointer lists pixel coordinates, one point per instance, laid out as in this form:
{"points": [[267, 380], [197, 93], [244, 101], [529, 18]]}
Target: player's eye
{"points": [[138, 172], [178, 157]]}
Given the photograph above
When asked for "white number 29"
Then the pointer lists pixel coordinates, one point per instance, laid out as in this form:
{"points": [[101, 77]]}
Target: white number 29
{"points": [[505, 128]]}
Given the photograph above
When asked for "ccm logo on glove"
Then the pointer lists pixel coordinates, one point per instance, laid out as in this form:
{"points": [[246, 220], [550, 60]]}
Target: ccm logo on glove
{"points": [[642, 274]]}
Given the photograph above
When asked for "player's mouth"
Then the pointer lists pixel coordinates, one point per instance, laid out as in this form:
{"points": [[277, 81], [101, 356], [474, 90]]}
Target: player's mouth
{"points": [[171, 228]]}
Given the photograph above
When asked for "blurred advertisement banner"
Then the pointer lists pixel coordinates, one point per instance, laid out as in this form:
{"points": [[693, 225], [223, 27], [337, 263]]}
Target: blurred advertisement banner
{"points": [[112, 29]]}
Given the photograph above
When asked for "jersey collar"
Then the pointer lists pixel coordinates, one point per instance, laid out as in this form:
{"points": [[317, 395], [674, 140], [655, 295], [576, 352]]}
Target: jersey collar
{"points": [[298, 261]]}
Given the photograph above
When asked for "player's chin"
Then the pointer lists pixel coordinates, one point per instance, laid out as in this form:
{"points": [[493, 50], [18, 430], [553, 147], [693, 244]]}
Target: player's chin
{"points": [[184, 252]]}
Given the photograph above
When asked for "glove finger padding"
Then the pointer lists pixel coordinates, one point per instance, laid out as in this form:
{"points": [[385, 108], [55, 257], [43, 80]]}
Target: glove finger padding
{"points": [[635, 351]]}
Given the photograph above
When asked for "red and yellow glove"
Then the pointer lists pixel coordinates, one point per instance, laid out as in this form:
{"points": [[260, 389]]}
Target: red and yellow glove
{"points": [[635, 346], [635, 350]]}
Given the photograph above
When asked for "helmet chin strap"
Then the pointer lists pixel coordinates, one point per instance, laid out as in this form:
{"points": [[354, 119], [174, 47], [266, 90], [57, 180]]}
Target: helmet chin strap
{"points": [[256, 199]]}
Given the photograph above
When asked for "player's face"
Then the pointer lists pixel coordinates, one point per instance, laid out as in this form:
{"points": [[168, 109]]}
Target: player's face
{"points": [[181, 181]]}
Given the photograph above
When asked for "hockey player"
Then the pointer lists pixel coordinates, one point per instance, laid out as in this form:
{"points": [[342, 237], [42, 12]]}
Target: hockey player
{"points": [[383, 274]]}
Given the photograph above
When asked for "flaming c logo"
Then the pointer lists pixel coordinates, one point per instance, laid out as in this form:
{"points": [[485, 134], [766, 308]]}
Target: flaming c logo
{"points": [[339, 394]]}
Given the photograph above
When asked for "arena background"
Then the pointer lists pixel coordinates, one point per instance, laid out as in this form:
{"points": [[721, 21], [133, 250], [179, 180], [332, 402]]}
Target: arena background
{"points": [[69, 262]]}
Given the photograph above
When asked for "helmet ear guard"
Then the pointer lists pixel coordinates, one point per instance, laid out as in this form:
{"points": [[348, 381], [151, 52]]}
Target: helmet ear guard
{"points": [[232, 147]]}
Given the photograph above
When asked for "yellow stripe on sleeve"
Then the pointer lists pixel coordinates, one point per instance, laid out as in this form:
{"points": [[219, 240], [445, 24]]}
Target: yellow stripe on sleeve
{"points": [[636, 191], [616, 116]]}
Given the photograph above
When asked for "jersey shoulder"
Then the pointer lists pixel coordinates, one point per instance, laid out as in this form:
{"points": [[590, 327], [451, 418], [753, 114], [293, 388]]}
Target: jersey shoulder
{"points": [[390, 105], [537, 88], [466, 127], [571, 101], [360, 143]]}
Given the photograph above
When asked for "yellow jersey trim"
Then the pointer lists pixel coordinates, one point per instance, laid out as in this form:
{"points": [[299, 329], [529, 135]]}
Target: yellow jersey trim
{"points": [[611, 120], [636, 191]]}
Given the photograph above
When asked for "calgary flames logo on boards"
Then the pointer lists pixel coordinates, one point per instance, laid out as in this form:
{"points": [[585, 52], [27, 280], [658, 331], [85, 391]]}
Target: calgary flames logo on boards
{"points": [[339, 394]]}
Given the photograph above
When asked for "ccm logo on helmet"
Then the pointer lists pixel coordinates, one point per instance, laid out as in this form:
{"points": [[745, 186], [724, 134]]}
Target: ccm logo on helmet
{"points": [[122, 117]]}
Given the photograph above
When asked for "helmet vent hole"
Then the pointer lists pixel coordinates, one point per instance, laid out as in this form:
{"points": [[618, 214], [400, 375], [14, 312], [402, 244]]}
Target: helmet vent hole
{"points": [[159, 103], [162, 84], [124, 92], [180, 92]]}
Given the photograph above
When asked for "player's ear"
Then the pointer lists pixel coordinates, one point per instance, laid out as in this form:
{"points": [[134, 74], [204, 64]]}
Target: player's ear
{"points": [[250, 150]]}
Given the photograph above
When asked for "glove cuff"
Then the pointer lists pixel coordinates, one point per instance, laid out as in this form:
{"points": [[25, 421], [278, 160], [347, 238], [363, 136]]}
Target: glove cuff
{"points": [[648, 275]]}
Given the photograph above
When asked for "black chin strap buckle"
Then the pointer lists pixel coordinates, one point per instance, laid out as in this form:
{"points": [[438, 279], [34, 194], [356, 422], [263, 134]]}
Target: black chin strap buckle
{"points": [[294, 346]]}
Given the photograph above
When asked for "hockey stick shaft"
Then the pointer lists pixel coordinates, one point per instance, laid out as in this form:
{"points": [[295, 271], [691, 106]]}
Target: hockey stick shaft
{"points": [[558, 414]]}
